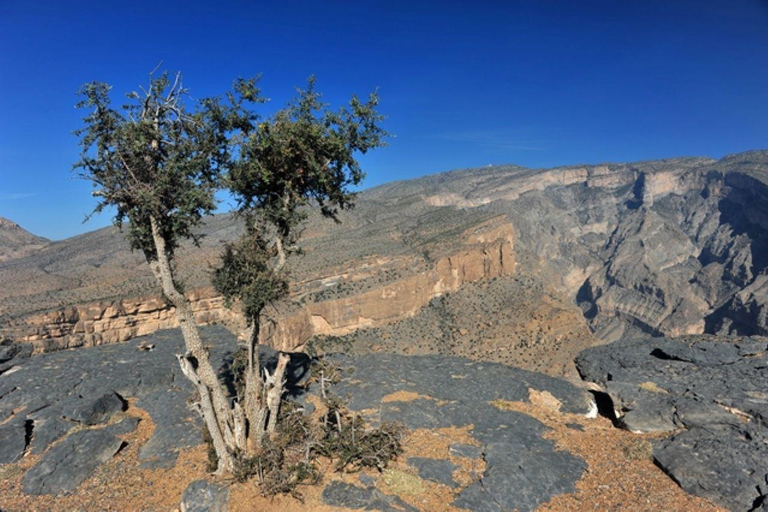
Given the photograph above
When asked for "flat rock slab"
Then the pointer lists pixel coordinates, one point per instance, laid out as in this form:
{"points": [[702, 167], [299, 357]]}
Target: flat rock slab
{"points": [[435, 470], [44, 397], [523, 469], [13, 436], [714, 389], [71, 462], [93, 409]]}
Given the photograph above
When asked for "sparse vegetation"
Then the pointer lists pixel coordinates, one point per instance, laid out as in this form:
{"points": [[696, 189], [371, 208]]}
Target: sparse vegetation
{"points": [[289, 459]]}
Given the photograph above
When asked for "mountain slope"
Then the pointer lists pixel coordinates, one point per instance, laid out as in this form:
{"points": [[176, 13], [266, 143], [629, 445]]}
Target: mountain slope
{"points": [[15, 242], [676, 246]]}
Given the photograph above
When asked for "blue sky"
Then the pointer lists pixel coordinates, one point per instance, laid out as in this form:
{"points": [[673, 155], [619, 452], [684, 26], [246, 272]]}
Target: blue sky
{"points": [[538, 83]]}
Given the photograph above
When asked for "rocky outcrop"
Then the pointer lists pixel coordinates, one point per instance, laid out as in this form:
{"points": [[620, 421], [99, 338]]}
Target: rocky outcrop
{"points": [[113, 322], [523, 469], [486, 252], [60, 402], [710, 393]]}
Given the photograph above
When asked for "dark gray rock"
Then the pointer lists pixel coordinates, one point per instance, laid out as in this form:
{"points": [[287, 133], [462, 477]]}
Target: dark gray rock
{"points": [[523, 469], [71, 462], [92, 409], [340, 494], [52, 393], [47, 429], [123, 427], [726, 465], [366, 479], [171, 435], [204, 496], [10, 351], [517, 478], [714, 388], [435, 470], [13, 440]]}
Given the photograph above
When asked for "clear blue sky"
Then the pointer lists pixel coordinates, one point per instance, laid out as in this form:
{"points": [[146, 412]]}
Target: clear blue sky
{"points": [[538, 83]]}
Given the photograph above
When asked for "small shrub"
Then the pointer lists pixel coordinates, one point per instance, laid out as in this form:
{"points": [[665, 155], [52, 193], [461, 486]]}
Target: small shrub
{"points": [[289, 459], [638, 449]]}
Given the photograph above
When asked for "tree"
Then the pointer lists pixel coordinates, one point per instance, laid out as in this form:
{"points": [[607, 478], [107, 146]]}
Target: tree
{"points": [[300, 158], [159, 163]]}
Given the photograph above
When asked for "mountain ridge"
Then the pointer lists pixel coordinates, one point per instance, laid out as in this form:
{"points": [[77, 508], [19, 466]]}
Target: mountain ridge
{"points": [[675, 246]]}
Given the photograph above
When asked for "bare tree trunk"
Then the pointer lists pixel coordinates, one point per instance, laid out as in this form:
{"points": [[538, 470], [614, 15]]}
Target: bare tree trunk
{"points": [[215, 408], [275, 393], [254, 409]]}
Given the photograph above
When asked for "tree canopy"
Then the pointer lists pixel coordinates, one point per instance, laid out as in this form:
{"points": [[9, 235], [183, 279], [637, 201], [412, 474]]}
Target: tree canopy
{"points": [[157, 158]]}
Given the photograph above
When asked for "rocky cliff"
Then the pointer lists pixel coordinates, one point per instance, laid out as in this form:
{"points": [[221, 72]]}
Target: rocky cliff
{"points": [[581, 253], [487, 252]]}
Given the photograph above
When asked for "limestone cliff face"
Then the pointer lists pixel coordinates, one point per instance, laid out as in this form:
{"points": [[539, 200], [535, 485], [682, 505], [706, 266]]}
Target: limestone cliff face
{"points": [[113, 322], [486, 252]]}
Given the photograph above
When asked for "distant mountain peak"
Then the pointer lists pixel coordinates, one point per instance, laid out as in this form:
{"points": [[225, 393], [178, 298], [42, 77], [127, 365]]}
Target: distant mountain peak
{"points": [[16, 242], [8, 223]]}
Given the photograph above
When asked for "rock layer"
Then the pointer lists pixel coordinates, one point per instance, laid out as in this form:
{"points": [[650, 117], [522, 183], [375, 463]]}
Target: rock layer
{"points": [[487, 253]]}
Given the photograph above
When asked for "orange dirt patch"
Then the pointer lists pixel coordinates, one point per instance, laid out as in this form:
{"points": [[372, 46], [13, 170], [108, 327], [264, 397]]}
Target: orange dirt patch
{"points": [[404, 396]]}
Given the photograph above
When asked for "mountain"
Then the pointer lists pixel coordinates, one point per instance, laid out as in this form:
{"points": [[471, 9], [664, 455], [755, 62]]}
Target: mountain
{"points": [[15, 242], [515, 265]]}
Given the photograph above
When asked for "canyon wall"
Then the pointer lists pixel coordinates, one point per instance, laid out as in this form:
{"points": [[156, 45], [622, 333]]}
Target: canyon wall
{"points": [[486, 252], [667, 247]]}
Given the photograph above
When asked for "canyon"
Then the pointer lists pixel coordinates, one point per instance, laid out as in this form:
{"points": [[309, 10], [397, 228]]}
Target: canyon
{"points": [[497, 263]]}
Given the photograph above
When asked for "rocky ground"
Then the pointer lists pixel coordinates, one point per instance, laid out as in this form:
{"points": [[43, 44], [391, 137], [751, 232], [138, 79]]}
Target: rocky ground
{"points": [[107, 428], [710, 394]]}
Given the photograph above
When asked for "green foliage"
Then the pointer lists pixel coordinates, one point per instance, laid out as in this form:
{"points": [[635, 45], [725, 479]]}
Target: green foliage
{"points": [[302, 157], [305, 153], [245, 274], [158, 158]]}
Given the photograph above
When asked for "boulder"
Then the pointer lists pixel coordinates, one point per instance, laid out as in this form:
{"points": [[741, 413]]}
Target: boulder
{"points": [[204, 496]]}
